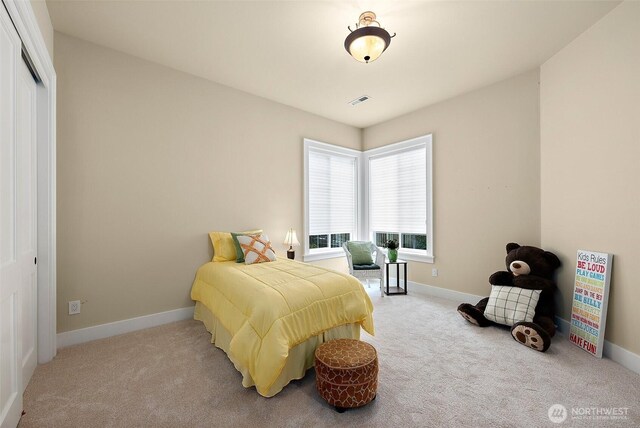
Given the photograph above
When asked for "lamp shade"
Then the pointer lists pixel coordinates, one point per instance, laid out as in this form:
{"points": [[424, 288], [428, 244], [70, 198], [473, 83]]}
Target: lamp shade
{"points": [[366, 44], [291, 239]]}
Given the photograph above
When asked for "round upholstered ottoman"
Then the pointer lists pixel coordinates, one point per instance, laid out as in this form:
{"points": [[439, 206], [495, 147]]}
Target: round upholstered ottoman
{"points": [[346, 373]]}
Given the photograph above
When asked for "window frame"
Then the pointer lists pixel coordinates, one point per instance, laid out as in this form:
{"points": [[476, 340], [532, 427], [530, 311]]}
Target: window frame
{"points": [[317, 146], [427, 255]]}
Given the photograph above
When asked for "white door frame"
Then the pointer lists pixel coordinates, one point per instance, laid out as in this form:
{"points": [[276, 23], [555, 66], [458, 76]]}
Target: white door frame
{"points": [[22, 15]]}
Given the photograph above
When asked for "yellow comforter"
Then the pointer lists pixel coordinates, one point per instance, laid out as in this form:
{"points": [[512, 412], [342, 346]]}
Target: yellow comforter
{"points": [[269, 308]]}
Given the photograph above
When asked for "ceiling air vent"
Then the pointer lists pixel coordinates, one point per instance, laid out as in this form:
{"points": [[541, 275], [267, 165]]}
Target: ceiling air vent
{"points": [[360, 100]]}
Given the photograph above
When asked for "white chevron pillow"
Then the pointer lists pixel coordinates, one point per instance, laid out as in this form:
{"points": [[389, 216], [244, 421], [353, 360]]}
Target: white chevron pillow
{"points": [[256, 249]]}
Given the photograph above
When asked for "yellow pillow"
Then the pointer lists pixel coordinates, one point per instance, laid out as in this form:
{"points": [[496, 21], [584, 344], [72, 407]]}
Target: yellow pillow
{"points": [[224, 249]]}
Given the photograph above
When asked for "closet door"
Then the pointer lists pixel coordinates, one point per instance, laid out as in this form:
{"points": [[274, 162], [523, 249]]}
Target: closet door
{"points": [[10, 268], [26, 220]]}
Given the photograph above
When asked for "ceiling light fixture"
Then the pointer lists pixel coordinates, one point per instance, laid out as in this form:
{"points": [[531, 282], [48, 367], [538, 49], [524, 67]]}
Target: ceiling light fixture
{"points": [[367, 42]]}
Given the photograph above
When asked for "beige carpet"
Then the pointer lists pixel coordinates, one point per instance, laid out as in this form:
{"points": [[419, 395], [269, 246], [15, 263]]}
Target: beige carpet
{"points": [[435, 370]]}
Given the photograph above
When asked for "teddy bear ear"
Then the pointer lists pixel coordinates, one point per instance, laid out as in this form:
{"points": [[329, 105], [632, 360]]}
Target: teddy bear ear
{"points": [[552, 258], [512, 246]]}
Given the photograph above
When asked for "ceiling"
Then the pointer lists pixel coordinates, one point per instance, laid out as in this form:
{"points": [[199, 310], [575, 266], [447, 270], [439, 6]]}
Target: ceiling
{"points": [[292, 51]]}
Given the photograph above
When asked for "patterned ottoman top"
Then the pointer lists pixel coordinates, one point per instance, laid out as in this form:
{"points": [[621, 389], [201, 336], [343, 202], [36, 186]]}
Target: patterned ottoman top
{"points": [[346, 353]]}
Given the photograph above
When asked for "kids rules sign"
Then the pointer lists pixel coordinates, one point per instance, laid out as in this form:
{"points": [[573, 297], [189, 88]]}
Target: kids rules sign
{"points": [[590, 297]]}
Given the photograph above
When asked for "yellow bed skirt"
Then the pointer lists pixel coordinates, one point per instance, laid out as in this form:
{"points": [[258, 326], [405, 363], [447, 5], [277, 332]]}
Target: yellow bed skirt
{"points": [[299, 360]]}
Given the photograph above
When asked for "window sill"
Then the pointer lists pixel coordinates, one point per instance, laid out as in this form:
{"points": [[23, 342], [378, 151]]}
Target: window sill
{"points": [[323, 255], [413, 257]]}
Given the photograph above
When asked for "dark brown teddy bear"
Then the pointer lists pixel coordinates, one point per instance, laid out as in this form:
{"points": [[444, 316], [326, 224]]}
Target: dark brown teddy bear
{"points": [[529, 268]]}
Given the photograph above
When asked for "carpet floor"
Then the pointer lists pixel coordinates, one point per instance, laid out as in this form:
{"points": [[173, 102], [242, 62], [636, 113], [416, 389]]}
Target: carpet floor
{"points": [[436, 370]]}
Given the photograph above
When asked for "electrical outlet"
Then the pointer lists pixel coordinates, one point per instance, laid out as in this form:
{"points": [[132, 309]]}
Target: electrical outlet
{"points": [[434, 272], [74, 307]]}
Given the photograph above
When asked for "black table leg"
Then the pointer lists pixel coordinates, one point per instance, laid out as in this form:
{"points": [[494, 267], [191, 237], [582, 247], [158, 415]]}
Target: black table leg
{"points": [[387, 278], [405, 278]]}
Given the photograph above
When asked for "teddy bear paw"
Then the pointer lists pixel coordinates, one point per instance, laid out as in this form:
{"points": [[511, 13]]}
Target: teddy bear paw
{"points": [[468, 318], [531, 335], [473, 315]]}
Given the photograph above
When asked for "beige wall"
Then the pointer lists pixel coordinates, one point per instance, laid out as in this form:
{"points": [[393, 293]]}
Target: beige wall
{"points": [[41, 12], [590, 140], [150, 160], [486, 178]]}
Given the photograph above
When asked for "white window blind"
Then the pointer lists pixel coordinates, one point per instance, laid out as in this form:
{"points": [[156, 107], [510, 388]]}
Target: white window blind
{"points": [[398, 191], [332, 193], [395, 204]]}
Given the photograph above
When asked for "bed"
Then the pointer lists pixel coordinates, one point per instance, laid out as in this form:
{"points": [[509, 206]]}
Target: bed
{"points": [[270, 317]]}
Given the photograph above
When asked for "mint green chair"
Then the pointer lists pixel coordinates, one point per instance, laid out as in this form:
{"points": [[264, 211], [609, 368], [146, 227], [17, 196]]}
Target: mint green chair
{"points": [[365, 271]]}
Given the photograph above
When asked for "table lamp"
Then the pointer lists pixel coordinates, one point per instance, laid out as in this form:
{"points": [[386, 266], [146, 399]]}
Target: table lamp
{"points": [[291, 239]]}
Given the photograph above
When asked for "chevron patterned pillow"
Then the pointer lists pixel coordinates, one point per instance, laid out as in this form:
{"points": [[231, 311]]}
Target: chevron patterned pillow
{"points": [[256, 249]]}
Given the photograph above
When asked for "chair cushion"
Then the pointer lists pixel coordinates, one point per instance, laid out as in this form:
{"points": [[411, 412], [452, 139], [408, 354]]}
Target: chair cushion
{"points": [[360, 252], [371, 266]]}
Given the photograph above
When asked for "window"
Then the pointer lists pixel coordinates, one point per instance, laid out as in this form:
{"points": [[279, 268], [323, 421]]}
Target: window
{"points": [[331, 199], [381, 238], [396, 198], [399, 197], [417, 242]]}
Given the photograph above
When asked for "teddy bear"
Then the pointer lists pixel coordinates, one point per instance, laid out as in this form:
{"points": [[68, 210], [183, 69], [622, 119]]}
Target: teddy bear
{"points": [[528, 268]]}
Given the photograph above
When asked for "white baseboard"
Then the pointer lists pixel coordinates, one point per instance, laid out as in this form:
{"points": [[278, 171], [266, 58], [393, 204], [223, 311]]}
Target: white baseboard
{"points": [[430, 290], [612, 351], [622, 356], [562, 326], [101, 331]]}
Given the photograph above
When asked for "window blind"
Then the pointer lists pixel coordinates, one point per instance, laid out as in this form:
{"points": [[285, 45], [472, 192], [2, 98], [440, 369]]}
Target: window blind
{"points": [[332, 193], [398, 191]]}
